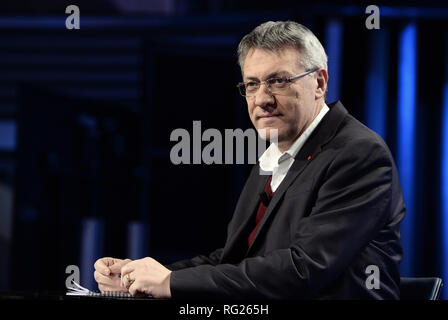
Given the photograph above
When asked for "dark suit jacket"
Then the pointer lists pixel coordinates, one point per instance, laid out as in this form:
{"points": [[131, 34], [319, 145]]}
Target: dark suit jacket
{"points": [[337, 211]]}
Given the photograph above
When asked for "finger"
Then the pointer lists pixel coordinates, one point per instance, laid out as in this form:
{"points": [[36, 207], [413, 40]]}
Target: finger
{"points": [[116, 267], [106, 280], [128, 279], [137, 290], [127, 268], [105, 288], [102, 265], [133, 288]]}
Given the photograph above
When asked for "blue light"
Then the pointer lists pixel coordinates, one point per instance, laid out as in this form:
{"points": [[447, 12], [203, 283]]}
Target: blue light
{"points": [[138, 237], [376, 83], [407, 74], [92, 247], [334, 42], [444, 186], [8, 132]]}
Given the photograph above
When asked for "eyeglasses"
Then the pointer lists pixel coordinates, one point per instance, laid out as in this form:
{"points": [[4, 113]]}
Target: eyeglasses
{"points": [[274, 85]]}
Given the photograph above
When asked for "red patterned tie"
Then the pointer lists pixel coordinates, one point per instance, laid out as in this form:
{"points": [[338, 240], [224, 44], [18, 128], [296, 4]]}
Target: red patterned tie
{"points": [[261, 210]]}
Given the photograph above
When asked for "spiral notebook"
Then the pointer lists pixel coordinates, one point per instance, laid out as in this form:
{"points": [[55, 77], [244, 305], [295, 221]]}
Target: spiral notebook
{"points": [[80, 291]]}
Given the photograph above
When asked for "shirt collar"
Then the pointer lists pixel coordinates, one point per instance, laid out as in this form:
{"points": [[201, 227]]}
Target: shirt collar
{"points": [[273, 156]]}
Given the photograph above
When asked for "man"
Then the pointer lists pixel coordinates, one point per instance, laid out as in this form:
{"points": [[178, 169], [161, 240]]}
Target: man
{"points": [[329, 212]]}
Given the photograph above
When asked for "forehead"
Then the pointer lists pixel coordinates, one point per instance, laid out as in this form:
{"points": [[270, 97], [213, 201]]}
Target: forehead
{"points": [[260, 62]]}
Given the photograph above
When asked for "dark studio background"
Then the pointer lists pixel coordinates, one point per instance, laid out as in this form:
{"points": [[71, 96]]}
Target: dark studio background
{"points": [[86, 117]]}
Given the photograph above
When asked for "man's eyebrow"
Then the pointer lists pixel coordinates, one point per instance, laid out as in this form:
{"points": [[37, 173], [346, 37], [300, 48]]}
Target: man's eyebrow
{"points": [[280, 73], [274, 74]]}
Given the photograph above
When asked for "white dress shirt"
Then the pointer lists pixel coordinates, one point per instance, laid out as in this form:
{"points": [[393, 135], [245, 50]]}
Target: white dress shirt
{"points": [[278, 163]]}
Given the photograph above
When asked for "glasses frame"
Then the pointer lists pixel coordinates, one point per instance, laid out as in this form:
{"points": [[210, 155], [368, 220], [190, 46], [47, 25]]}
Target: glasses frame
{"points": [[288, 80]]}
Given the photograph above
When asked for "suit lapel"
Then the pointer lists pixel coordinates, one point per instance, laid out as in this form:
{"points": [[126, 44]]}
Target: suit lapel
{"points": [[323, 133]]}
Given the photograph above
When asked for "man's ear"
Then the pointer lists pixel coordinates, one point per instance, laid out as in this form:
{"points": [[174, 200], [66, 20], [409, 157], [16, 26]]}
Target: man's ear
{"points": [[322, 79]]}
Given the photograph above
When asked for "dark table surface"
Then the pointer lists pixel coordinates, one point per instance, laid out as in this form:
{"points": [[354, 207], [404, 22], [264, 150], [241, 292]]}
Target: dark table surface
{"points": [[61, 296]]}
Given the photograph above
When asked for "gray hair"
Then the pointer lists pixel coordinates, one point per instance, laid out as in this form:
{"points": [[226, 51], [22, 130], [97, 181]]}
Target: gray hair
{"points": [[274, 36]]}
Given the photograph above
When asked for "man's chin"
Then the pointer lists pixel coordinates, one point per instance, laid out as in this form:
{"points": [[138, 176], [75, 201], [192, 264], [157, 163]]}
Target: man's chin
{"points": [[268, 134]]}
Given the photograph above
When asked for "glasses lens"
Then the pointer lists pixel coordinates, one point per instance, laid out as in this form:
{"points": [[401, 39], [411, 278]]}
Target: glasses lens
{"points": [[277, 84], [251, 87], [242, 90]]}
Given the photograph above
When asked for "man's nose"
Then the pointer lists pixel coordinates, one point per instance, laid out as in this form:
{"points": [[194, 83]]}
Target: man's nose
{"points": [[264, 97]]}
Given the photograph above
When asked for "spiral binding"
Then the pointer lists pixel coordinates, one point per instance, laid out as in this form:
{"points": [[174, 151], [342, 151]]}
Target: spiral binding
{"points": [[78, 290]]}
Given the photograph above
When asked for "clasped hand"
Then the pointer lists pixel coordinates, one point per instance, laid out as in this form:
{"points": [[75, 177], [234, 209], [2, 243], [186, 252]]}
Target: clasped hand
{"points": [[139, 277]]}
